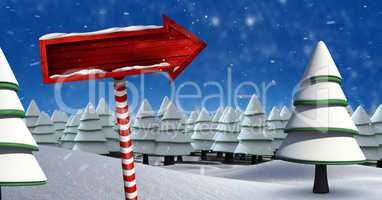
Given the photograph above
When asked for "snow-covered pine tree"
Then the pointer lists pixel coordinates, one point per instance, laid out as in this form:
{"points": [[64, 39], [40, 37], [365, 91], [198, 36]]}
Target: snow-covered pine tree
{"points": [[203, 136], [189, 125], [215, 122], [59, 120], [44, 132], [144, 131], [320, 131], [253, 137], [366, 137], [31, 115], [228, 131], [349, 109], [285, 114], [18, 165], [89, 137], [376, 121], [171, 140], [70, 131], [163, 107], [276, 127], [107, 122]]}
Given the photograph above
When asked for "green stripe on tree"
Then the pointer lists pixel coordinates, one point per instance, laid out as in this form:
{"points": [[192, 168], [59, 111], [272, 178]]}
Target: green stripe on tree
{"points": [[9, 86], [31, 183], [12, 113], [323, 102], [321, 130], [325, 78], [316, 162], [19, 146]]}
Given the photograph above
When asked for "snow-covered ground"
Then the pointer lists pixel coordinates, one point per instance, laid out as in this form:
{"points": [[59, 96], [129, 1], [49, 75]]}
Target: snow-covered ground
{"points": [[76, 175]]}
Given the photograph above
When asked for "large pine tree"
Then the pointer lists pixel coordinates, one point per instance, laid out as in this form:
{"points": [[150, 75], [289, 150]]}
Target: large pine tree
{"points": [[320, 131], [18, 166]]}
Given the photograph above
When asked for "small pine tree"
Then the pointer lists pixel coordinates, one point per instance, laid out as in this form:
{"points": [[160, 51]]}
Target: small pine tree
{"points": [[144, 131], [107, 123], [253, 138], [59, 120], [89, 137], [70, 132], [203, 137], [376, 121], [366, 137], [44, 132], [275, 125], [31, 116]]}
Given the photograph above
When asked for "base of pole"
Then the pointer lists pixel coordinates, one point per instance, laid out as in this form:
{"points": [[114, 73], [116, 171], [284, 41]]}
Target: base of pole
{"points": [[145, 160], [203, 155], [321, 185]]}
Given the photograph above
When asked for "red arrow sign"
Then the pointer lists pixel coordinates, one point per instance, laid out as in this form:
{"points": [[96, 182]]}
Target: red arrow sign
{"points": [[118, 52]]}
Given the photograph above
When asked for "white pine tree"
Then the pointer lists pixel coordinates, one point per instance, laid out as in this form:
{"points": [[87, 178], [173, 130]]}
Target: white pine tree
{"points": [[171, 140], [44, 132], [366, 137], [70, 132], [59, 120], [228, 131], [376, 121], [253, 138], [320, 131], [89, 137], [144, 131], [32, 114], [107, 122], [276, 127], [203, 137], [18, 165], [190, 123]]}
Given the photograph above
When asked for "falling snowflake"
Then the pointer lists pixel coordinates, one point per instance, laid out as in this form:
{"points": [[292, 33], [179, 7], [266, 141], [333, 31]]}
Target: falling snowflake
{"points": [[250, 21], [215, 21]]}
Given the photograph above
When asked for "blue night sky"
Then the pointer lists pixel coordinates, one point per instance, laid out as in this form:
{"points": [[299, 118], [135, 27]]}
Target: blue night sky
{"points": [[257, 41]]}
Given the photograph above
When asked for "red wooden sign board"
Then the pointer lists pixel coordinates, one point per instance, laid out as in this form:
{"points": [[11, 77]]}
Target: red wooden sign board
{"points": [[159, 49]]}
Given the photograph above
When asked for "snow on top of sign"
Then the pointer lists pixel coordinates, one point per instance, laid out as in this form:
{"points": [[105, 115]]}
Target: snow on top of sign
{"points": [[85, 72], [103, 31]]}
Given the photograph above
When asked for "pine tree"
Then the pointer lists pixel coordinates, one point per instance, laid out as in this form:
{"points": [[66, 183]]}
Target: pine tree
{"points": [[366, 136], [89, 137], [214, 125], [203, 137], [285, 115], [32, 114], [320, 131], [59, 120], [70, 131], [228, 131], [190, 124], [276, 127], [376, 121], [18, 165], [253, 137], [163, 107], [144, 131], [44, 132], [107, 122], [171, 140]]}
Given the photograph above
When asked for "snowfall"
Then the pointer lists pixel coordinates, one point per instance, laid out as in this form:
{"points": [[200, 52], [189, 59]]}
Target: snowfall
{"points": [[74, 175]]}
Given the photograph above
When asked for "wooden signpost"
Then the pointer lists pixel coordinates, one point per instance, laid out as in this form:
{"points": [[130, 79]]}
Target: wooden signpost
{"points": [[116, 53]]}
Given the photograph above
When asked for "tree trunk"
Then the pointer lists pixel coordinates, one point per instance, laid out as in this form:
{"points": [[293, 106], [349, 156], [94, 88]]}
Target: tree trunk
{"points": [[260, 158], [243, 157], [0, 193], [145, 159], [253, 159], [219, 154], [169, 160], [203, 155], [179, 159], [321, 180], [379, 164], [228, 158]]}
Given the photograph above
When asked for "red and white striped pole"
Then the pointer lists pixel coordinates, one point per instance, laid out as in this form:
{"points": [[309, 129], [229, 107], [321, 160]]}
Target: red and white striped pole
{"points": [[127, 157]]}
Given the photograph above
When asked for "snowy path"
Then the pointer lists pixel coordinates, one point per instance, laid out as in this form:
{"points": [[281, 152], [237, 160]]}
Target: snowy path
{"points": [[83, 176]]}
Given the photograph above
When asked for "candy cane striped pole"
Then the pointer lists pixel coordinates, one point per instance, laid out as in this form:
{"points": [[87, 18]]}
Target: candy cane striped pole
{"points": [[125, 143]]}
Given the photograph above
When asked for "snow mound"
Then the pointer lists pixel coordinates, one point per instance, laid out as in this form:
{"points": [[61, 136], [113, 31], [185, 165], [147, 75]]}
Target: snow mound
{"points": [[81, 176]]}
